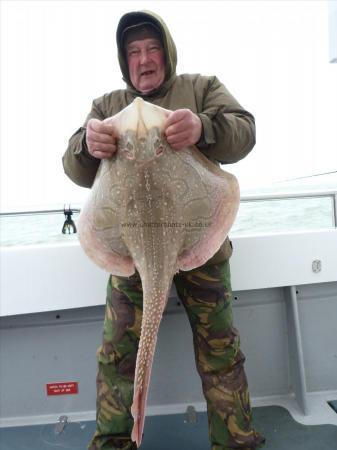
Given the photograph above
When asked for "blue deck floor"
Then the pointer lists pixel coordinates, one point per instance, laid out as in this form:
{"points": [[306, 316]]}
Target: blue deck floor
{"points": [[171, 432]]}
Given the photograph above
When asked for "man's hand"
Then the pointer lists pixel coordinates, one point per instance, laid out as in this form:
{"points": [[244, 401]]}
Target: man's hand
{"points": [[101, 141], [182, 128]]}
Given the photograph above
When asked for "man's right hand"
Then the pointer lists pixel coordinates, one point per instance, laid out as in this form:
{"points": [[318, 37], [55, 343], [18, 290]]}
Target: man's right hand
{"points": [[100, 138]]}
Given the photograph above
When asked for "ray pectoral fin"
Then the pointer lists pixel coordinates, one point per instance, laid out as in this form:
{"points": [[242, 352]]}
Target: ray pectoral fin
{"points": [[112, 258], [207, 233]]}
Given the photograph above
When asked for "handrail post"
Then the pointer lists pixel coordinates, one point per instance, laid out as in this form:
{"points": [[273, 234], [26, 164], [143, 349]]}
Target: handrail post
{"points": [[297, 367], [334, 207]]}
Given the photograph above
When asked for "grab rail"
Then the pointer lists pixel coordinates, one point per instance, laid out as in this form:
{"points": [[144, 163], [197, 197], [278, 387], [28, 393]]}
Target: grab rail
{"points": [[332, 193], [40, 211]]}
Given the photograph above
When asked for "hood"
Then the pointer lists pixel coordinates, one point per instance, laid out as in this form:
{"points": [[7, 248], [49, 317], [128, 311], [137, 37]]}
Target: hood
{"points": [[133, 18]]}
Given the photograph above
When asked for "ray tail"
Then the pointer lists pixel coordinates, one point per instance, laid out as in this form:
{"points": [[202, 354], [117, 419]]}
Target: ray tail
{"points": [[153, 306]]}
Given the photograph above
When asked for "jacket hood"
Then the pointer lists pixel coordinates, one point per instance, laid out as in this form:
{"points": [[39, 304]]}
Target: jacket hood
{"points": [[136, 17]]}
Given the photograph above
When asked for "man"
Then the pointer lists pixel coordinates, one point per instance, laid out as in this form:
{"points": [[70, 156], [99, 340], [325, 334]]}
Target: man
{"points": [[206, 115]]}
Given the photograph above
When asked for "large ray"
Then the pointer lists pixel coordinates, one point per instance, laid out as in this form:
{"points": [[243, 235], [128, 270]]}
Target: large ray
{"points": [[157, 210]]}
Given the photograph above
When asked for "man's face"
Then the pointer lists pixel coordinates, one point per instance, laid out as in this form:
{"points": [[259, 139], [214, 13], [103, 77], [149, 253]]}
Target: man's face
{"points": [[146, 63]]}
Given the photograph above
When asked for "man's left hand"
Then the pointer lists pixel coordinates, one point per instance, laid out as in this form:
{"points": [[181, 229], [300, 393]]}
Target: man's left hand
{"points": [[182, 129]]}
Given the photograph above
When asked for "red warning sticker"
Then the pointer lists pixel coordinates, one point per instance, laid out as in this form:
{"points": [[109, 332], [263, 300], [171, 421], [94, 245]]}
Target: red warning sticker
{"points": [[67, 387]]}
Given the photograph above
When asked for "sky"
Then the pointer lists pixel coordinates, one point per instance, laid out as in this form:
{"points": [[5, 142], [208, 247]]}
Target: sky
{"points": [[57, 56]]}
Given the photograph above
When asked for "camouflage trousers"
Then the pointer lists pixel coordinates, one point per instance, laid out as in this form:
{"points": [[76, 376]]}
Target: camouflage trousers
{"points": [[206, 295]]}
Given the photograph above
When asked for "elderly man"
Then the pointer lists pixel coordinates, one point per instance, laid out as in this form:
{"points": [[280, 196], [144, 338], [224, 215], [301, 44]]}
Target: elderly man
{"points": [[206, 115]]}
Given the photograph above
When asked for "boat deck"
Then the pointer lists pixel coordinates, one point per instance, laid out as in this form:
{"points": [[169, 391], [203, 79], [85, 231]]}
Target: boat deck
{"points": [[178, 431]]}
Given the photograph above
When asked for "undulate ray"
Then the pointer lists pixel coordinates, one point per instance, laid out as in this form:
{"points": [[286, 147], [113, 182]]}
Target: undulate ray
{"points": [[157, 210]]}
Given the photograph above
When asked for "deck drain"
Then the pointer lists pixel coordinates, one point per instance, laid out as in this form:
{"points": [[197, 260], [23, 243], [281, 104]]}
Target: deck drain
{"points": [[333, 405], [61, 424], [190, 415]]}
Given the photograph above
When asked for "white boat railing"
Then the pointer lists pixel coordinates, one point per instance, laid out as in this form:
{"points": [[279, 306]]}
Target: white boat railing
{"points": [[329, 193]]}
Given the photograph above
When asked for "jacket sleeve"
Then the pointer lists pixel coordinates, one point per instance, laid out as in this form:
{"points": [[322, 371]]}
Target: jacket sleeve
{"points": [[78, 164], [228, 129]]}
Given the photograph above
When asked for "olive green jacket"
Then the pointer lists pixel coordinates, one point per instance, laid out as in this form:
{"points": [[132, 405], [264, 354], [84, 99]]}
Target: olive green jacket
{"points": [[228, 129]]}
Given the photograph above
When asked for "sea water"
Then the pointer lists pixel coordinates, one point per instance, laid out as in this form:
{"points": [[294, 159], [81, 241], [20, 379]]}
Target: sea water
{"points": [[254, 217]]}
